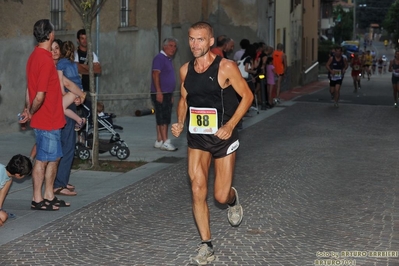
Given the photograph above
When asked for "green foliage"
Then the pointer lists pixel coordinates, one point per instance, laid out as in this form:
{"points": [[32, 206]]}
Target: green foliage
{"points": [[373, 12], [391, 20], [87, 5], [343, 29], [324, 51], [391, 23]]}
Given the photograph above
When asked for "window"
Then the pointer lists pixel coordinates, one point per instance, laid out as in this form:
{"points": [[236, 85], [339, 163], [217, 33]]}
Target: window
{"points": [[127, 13], [312, 50], [57, 14], [175, 13]]}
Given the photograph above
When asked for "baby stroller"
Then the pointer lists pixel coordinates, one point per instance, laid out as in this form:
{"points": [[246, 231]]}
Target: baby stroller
{"points": [[114, 144]]}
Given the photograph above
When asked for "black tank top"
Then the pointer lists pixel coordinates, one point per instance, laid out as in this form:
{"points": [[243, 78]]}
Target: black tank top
{"points": [[203, 90], [337, 65], [395, 69], [85, 78]]}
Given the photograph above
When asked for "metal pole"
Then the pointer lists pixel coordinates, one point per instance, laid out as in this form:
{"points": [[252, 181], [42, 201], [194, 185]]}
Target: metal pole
{"points": [[263, 94], [97, 44], [354, 19]]}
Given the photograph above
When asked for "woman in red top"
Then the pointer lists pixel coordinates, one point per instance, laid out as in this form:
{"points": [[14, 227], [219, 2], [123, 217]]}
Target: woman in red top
{"points": [[356, 65]]}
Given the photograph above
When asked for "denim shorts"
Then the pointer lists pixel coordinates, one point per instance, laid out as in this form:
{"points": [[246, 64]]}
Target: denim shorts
{"points": [[48, 145]]}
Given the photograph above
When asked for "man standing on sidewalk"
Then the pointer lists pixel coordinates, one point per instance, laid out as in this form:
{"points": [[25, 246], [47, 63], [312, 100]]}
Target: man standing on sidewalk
{"points": [[43, 107], [209, 85], [280, 66], [82, 61], [163, 84]]}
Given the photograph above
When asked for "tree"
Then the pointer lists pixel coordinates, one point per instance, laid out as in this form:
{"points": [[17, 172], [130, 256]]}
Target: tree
{"points": [[88, 10], [372, 12], [391, 23], [343, 24]]}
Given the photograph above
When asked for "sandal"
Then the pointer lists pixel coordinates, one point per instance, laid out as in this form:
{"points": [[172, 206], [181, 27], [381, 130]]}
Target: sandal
{"points": [[57, 202], [42, 206], [70, 187], [64, 191], [79, 126]]}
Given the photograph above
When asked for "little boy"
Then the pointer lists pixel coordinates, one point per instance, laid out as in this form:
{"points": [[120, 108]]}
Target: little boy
{"points": [[18, 167]]}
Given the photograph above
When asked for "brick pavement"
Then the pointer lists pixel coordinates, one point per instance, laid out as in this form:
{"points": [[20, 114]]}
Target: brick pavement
{"points": [[311, 179]]}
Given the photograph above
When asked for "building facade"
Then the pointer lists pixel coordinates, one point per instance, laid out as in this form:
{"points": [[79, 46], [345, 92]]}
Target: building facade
{"points": [[126, 36]]}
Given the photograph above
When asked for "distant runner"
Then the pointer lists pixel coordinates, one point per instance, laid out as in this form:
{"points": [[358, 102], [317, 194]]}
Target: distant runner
{"points": [[336, 67]]}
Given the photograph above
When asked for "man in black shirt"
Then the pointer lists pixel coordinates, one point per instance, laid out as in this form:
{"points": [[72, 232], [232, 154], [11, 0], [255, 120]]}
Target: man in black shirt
{"points": [[83, 68], [82, 60]]}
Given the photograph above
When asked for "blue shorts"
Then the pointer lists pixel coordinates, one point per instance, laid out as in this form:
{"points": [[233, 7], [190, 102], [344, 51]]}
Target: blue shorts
{"points": [[48, 145]]}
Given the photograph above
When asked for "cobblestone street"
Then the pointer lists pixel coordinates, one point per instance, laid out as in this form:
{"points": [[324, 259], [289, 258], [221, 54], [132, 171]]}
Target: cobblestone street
{"points": [[313, 180]]}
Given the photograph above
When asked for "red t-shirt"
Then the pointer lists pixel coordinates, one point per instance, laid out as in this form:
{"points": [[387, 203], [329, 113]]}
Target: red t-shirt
{"points": [[42, 77], [217, 51]]}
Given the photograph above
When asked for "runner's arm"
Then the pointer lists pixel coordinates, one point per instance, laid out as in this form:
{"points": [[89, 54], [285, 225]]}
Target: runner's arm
{"points": [[328, 65], [229, 74], [177, 128]]}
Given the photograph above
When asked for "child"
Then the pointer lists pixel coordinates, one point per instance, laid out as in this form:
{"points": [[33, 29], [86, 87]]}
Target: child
{"points": [[270, 79], [100, 109], [18, 167]]}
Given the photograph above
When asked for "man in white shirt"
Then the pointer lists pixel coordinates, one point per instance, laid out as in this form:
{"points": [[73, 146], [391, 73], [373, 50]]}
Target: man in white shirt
{"points": [[244, 43]]}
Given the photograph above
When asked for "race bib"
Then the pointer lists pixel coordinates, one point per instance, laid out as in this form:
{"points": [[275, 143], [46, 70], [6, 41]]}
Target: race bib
{"points": [[396, 72], [203, 120], [337, 74]]}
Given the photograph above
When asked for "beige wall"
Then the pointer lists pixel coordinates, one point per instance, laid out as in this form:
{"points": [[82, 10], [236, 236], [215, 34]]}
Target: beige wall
{"points": [[282, 19], [310, 33]]}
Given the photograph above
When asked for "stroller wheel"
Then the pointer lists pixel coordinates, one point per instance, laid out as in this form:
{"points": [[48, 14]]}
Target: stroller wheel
{"points": [[83, 153], [122, 153], [114, 149]]}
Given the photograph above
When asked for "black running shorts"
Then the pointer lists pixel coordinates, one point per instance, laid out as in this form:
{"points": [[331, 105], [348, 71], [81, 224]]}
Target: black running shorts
{"points": [[212, 144]]}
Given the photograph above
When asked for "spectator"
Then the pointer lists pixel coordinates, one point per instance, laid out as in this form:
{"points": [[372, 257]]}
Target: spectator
{"points": [[83, 68], [271, 74], [229, 47], [163, 84], [220, 46], [68, 69], [244, 43], [280, 65], [18, 167], [82, 60], [43, 107]]}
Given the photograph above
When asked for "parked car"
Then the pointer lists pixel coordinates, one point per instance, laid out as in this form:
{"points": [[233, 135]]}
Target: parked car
{"points": [[350, 49]]}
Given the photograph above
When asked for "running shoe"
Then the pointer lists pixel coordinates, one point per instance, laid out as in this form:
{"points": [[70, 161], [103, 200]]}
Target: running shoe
{"points": [[395, 105], [158, 144], [336, 105], [205, 255], [235, 213]]}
